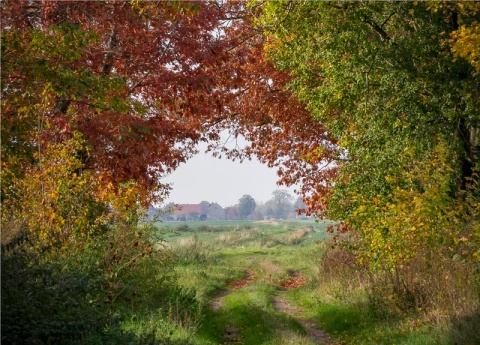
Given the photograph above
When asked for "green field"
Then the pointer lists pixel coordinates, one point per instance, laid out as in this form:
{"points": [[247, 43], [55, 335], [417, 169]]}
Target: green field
{"points": [[218, 231], [239, 272]]}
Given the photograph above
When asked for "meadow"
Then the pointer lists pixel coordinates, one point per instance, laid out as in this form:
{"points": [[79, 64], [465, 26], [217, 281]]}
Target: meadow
{"points": [[279, 282]]}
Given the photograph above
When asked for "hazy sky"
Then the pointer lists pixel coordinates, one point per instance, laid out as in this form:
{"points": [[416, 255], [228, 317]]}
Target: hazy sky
{"points": [[221, 180]]}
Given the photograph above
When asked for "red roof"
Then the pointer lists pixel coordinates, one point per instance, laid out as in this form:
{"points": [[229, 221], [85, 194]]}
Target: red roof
{"points": [[184, 209]]}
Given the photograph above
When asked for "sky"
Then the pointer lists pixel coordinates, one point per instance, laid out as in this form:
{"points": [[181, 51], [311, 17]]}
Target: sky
{"points": [[204, 177]]}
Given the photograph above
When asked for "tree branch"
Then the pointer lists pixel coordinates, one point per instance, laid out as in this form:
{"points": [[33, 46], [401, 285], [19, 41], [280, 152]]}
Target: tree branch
{"points": [[388, 18], [378, 29], [108, 63]]}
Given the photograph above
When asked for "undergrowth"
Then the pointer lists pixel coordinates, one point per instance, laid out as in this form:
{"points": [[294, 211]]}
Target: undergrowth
{"points": [[423, 303], [120, 288], [136, 285]]}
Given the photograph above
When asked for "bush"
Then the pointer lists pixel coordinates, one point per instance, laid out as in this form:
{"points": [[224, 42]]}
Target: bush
{"points": [[43, 302], [182, 227], [205, 228], [339, 272], [74, 261], [66, 296]]}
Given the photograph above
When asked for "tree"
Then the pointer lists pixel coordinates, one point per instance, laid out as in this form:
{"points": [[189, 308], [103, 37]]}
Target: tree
{"points": [[168, 210], [204, 210], [246, 206], [204, 207], [95, 112], [391, 82], [132, 93], [371, 107], [264, 110], [281, 200], [192, 216], [270, 209], [141, 93], [231, 213]]}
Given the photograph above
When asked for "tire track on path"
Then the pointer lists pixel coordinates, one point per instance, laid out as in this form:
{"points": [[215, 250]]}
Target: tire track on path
{"points": [[232, 333], [316, 334], [237, 284], [295, 280]]}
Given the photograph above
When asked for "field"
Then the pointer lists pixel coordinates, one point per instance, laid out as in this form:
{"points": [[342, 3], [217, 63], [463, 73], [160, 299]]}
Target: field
{"points": [[267, 283], [217, 232]]}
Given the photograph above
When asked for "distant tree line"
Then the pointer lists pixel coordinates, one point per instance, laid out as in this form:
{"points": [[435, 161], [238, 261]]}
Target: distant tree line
{"points": [[282, 205]]}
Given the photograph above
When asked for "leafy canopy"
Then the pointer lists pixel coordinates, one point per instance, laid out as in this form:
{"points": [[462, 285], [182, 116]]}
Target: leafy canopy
{"points": [[386, 80]]}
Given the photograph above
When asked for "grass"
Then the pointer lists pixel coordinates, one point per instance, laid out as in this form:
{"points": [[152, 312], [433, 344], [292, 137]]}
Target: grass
{"points": [[245, 234], [250, 310], [221, 283], [248, 315]]}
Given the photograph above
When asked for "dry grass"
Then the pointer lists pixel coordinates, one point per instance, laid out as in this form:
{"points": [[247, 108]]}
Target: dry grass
{"points": [[234, 237], [445, 288], [339, 274], [270, 222], [271, 272], [299, 235], [186, 242], [437, 288], [192, 250]]}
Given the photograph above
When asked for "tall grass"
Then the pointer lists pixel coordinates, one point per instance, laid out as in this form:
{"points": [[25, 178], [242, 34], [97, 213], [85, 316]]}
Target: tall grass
{"points": [[426, 302]]}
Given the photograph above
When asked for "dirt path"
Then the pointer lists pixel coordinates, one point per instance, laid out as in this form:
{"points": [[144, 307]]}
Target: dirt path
{"points": [[234, 285], [295, 280], [317, 335], [232, 333]]}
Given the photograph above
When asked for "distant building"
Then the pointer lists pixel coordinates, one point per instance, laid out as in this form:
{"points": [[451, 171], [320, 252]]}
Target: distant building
{"points": [[231, 213], [214, 212], [189, 212]]}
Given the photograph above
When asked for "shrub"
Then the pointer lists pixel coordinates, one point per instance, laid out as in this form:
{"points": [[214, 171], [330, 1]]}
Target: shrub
{"points": [[339, 272], [205, 228], [432, 283], [182, 227], [192, 251], [45, 302], [81, 294]]}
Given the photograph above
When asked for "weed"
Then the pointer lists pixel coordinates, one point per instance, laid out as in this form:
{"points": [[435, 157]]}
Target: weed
{"points": [[192, 250], [299, 235]]}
